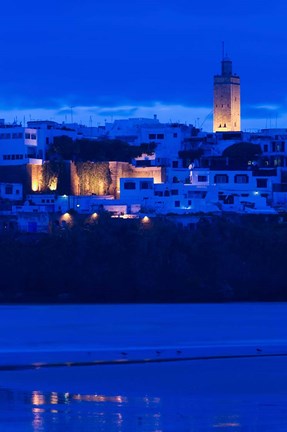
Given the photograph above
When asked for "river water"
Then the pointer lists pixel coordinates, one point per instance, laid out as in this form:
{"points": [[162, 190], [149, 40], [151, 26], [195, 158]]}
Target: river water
{"points": [[146, 368]]}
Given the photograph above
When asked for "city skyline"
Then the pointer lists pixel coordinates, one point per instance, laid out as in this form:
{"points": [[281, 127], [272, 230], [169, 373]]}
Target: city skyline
{"points": [[90, 62]]}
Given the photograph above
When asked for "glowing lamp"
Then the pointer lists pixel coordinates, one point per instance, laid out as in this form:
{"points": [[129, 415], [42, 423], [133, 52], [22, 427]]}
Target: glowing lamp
{"points": [[66, 217], [145, 220]]}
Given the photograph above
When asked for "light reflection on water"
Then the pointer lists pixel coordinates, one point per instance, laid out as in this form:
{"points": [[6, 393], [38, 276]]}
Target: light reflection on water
{"points": [[214, 395], [53, 412]]}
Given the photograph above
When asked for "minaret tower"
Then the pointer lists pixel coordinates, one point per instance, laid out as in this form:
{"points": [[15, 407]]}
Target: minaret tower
{"points": [[226, 105]]}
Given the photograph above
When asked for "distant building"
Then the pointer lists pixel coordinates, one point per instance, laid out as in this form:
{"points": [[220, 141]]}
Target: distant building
{"points": [[226, 112]]}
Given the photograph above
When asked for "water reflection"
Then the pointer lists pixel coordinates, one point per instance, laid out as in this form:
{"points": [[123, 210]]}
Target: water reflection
{"points": [[54, 412], [109, 413]]}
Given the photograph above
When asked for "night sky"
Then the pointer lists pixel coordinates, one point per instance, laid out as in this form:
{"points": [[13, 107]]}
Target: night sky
{"points": [[114, 59]]}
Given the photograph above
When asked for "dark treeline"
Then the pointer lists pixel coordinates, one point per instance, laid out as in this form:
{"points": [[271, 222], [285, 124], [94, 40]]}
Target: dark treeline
{"points": [[117, 261], [102, 150]]}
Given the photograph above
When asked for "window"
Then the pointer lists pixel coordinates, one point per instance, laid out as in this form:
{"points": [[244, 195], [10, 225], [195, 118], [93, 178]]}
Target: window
{"points": [[5, 136], [176, 203], [17, 135], [202, 178], [17, 192], [174, 192], [241, 178], [265, 147], [189, 202], [152, 136], [27, 135], [175, 135], [129, 185], [145, 185], [261, 183], [174, 164], [221, 196], [221, 178], [33, 136], [158, 193], [160, 136], [8, 190], [224, 125]]}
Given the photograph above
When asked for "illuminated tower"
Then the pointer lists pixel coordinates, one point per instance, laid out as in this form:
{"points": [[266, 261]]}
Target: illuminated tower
{"points": [[226, 105]]}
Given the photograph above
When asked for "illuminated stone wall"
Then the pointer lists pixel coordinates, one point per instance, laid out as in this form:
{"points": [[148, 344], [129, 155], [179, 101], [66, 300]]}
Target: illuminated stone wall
{"points": [[86, 178], [35, 178], [93, 178], [124, 169]]}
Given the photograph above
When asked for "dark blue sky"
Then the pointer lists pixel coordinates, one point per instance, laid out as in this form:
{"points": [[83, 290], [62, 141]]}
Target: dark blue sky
{"points": [[107, 58]]}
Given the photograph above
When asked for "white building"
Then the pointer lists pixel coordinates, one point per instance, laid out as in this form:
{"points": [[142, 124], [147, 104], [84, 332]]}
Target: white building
{"points": [[19, 145], [230, 188], [11, 191]]}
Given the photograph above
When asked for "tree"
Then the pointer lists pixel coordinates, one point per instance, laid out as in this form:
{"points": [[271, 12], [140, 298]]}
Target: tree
{"points": [[243, 152]]}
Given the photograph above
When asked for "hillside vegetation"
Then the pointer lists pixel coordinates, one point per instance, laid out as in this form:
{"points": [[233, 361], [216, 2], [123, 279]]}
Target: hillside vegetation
{"points": [[219, 259]]}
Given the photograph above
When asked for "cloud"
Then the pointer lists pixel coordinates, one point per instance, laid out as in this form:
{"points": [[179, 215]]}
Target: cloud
{"points": [[261, 111], [117, 112]]}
